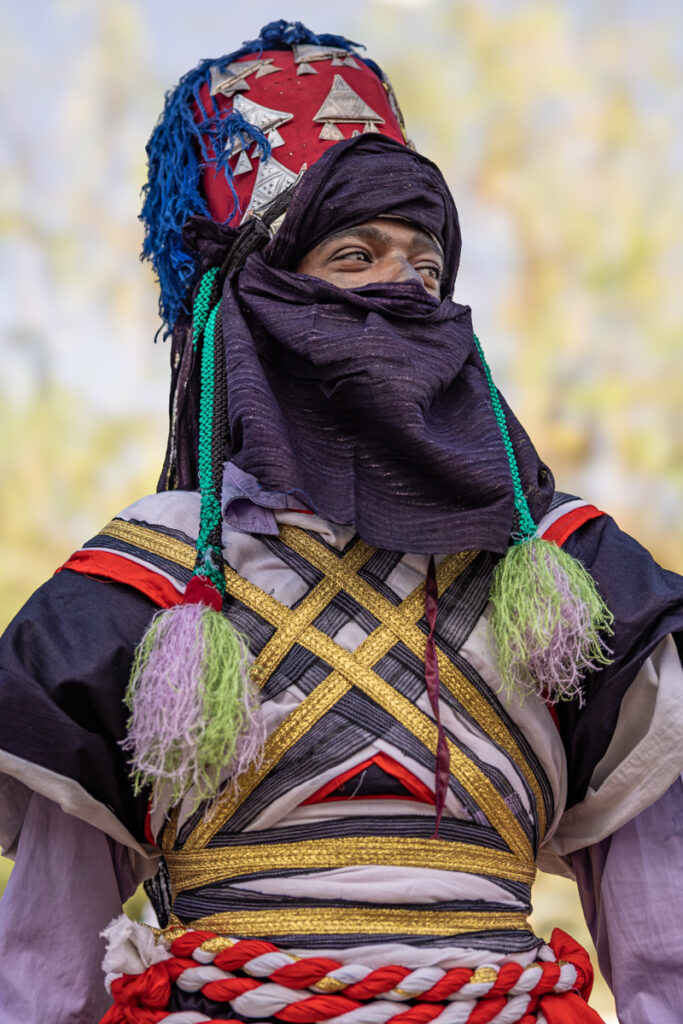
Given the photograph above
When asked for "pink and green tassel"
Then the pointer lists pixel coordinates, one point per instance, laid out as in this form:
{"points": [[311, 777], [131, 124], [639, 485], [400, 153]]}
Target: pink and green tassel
{"points": [[194, 719], [548, 620], [192, 704]]}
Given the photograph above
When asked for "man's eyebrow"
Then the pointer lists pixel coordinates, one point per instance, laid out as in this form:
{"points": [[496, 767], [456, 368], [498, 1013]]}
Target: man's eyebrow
{"points": [[367, 231], [421, 239]]}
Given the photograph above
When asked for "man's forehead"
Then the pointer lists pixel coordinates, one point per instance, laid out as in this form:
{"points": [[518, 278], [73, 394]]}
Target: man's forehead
{"points": [[376, 230]]}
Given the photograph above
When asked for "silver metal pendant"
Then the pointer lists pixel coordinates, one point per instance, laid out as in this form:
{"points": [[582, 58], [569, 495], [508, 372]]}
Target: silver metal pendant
{"points": [[306, 69], [370, 127], [393, 103], [343, 103], [351, 63], [307, 52], [243, 165], [275, 139], [264, 118], [232, 79], [260, 214], [272, 178], [330, 132], [267, 68], [227, 85]]}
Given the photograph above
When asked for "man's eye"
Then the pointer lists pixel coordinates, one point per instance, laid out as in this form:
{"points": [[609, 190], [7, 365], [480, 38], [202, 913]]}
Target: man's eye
{"points": [[430, 270], [352, 254]]}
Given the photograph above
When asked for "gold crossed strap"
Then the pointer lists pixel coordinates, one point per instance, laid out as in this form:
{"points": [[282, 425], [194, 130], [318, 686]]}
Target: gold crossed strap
{"points": [[350, 669]]}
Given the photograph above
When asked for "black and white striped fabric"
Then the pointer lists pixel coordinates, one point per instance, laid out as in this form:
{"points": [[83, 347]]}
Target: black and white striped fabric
{"points": [[337, 631]]}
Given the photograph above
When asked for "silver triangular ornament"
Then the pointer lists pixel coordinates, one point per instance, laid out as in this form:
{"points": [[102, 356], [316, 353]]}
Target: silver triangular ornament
{"points": [[272, 178], [343, 103], [242, 68], [337, 62], [266, 69], [229, 85], [275, 139], [330, 132], [264, 118], [370, 127], [354, 133], [306, 52], [349, 62], [243, 165], [232, 79], [306, 69]]}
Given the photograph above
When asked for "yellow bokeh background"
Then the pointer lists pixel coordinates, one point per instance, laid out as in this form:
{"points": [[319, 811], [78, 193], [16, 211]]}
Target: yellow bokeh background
{"points": [[556, 125]]}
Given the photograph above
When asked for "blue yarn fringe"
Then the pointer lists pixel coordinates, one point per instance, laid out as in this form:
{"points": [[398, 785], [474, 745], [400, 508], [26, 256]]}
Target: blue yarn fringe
{"points": [[177, 154]]}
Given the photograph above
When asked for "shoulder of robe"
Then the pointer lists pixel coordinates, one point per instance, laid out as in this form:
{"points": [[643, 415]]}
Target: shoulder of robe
{"points": [[149, 546], [65, 661], [647, 603]]}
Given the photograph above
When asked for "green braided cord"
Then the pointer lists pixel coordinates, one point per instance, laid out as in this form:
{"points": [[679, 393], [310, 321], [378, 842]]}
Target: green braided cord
{"points": [[200, 313], [210, 514], [527, 526]]}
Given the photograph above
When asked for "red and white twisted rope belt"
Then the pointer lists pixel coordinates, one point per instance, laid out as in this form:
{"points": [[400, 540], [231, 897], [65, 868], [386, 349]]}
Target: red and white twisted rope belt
{"points": [[254, 981]]}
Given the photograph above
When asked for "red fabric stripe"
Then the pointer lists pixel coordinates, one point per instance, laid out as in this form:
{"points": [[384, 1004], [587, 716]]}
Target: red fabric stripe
{"points": [[329, 787], [391, 767], [372, 796], [109, 566], [149, 835], [567, 524], [552, 708]]}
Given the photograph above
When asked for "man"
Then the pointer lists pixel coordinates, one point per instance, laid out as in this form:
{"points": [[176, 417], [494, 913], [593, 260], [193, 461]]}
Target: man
{"points": [[383, 839]]}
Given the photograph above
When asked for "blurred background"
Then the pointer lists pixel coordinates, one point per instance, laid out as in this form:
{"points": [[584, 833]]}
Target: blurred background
{"points": [[556, 124]]}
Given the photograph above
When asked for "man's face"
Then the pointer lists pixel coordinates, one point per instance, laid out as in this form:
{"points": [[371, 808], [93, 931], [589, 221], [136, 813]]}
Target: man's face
{"points": [[379, 251]]}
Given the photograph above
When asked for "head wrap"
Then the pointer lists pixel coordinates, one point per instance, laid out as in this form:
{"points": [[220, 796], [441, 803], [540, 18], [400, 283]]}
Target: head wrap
{"points": [[370, 404]]}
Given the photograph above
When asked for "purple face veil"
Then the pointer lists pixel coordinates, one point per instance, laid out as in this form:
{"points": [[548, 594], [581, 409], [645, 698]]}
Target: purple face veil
{"points": [[370, 405]]}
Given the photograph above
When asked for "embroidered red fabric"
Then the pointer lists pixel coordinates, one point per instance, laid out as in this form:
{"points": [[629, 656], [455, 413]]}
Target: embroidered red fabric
{"points": [[107, 565], [299, 97], [567, 524]]}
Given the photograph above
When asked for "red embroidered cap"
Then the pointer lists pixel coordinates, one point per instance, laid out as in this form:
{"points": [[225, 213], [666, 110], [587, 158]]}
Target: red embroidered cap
{"points": [[303, 100], [237, 131]]}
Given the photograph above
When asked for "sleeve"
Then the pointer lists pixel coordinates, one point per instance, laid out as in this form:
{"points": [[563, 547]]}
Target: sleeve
{"points": [[647, 604], [630, 887], [51, 919], [64, 665]]}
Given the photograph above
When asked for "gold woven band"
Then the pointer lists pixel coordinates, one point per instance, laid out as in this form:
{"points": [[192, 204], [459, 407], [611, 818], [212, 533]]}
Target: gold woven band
{"points": [[350, 921], [192, 869]]}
